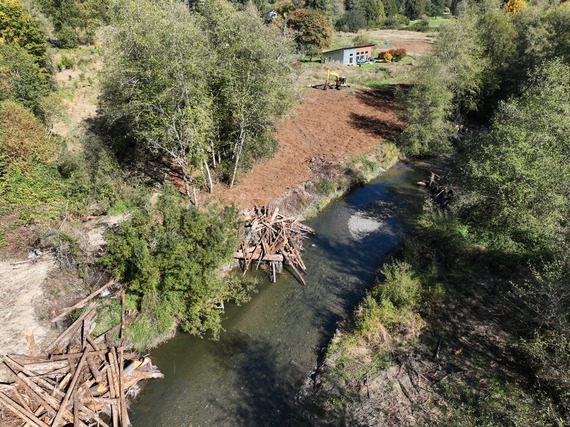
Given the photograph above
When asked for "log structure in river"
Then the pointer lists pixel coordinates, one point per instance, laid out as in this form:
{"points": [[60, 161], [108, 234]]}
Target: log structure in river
{"points": [[272, 238]]}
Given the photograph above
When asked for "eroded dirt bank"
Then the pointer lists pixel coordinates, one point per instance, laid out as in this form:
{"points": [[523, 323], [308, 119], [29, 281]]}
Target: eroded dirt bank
{"points": [[330, 126]]}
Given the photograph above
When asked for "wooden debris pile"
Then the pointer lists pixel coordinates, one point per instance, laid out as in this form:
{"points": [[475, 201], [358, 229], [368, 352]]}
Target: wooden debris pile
{"points": [[270, 237], [78, 380], [441, 195]]}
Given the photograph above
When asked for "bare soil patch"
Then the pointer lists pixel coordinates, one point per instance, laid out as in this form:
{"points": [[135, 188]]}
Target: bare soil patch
{"points": [[330, 125], [21, 296]]}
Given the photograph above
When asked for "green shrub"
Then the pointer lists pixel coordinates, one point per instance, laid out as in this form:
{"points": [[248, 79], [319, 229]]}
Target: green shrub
{"points": [[21, 78], [23, 139], [395, 21], [67, 38], [421, 26], [154, 325], [400, 286], [66, 62], [172, 254]]}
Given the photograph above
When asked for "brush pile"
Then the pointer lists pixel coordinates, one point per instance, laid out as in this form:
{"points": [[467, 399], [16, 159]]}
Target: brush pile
{"points": [[270, 237], [78, 380], [440, 195]]}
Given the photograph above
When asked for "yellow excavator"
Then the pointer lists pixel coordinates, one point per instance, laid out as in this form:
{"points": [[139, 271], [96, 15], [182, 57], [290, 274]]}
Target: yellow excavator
{"points": [[335, 80]]}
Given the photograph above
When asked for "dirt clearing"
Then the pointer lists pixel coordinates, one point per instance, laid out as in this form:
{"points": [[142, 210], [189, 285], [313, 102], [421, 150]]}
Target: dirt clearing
{"points": [[332, 125], [21, 291]]}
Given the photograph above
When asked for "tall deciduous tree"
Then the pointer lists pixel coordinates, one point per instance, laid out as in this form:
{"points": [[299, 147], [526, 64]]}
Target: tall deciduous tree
{"points": [[18, 27], [429, 106], [521, 167], [250, 79], [312, 30], [155, 82], [459, 49]]}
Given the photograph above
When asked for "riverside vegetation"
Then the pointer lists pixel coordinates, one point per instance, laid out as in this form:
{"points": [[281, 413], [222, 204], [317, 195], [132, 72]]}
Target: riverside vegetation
{"points": [[192, 90], [187, 90], [468, 324]]}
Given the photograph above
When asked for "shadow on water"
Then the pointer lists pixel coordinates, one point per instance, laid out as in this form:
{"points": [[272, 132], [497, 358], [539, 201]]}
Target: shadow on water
{"points": [[264, 391], [251, 375]]}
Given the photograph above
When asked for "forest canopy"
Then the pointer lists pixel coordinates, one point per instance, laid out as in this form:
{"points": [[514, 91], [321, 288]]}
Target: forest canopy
{"points": [[494, 99], [201, 89]]}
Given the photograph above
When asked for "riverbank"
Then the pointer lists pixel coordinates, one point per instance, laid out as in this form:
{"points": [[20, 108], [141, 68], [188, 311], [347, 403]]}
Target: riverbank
{"points": [[438, 340], [329, 165], [269, 345]]}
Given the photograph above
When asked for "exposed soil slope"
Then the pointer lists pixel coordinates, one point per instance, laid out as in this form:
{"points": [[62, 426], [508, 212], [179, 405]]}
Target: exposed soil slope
{"points": [[332, 125]]}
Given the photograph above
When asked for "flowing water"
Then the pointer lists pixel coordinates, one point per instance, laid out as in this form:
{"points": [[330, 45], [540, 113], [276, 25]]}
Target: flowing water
{"points": [[271, 344]]}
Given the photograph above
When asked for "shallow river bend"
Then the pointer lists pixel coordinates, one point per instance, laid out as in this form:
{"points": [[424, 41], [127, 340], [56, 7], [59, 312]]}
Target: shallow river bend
{"points": [[271, 344]]}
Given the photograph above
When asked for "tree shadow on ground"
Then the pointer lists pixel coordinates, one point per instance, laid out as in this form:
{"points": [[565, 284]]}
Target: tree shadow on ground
{"points": [[375, 126], [383, 98]]}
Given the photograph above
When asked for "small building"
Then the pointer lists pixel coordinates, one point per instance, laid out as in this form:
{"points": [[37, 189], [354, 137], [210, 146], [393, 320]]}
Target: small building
{"points": [[349, 55]]}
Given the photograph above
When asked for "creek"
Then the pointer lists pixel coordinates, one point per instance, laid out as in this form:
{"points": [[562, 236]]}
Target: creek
{"points": [[271, 344]]}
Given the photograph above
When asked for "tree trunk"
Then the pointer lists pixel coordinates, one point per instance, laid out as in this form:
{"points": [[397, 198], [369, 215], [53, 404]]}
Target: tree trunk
{"points": [[195, 194], [186, 187], [239, 148], [210, 183]]}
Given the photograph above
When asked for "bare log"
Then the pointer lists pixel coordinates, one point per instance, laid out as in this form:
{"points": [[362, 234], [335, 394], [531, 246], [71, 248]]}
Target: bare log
{"points": [[31, 342], [47, 367], [263, 257], [125, 414], [21, 412], [66, 336], [70, 389], [82, 303]]}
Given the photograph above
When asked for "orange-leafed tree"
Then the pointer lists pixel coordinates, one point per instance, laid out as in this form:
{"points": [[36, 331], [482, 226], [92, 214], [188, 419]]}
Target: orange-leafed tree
{"points": [[23, 138], [515, 6]]}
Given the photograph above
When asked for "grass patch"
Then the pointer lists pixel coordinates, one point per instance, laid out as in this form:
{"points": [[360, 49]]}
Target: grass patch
{"points": [[368, 166], [438, 21], [357, 171]]}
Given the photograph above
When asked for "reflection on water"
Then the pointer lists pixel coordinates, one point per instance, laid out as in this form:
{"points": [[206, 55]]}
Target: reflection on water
{"points": [[250, 376]]}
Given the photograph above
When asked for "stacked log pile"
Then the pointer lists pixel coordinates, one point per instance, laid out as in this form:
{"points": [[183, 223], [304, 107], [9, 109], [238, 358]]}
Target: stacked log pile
{"points": [[78, 380], [270, 237]]}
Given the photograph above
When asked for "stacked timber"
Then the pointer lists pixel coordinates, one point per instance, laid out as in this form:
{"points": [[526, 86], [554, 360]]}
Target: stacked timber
{"points": [[272, 238], [78, 380]]}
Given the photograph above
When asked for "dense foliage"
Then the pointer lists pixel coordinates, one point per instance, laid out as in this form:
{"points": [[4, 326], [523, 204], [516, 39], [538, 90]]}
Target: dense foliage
{"points": [[23, 139], [312, 31], [171, 257], [520, 169], [505, 73], [201, 90], [18, 27], [75, 21], [21, 78]]}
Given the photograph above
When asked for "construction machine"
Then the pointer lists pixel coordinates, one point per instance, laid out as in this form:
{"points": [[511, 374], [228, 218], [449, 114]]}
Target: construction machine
{"points": [[335, 80]]}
